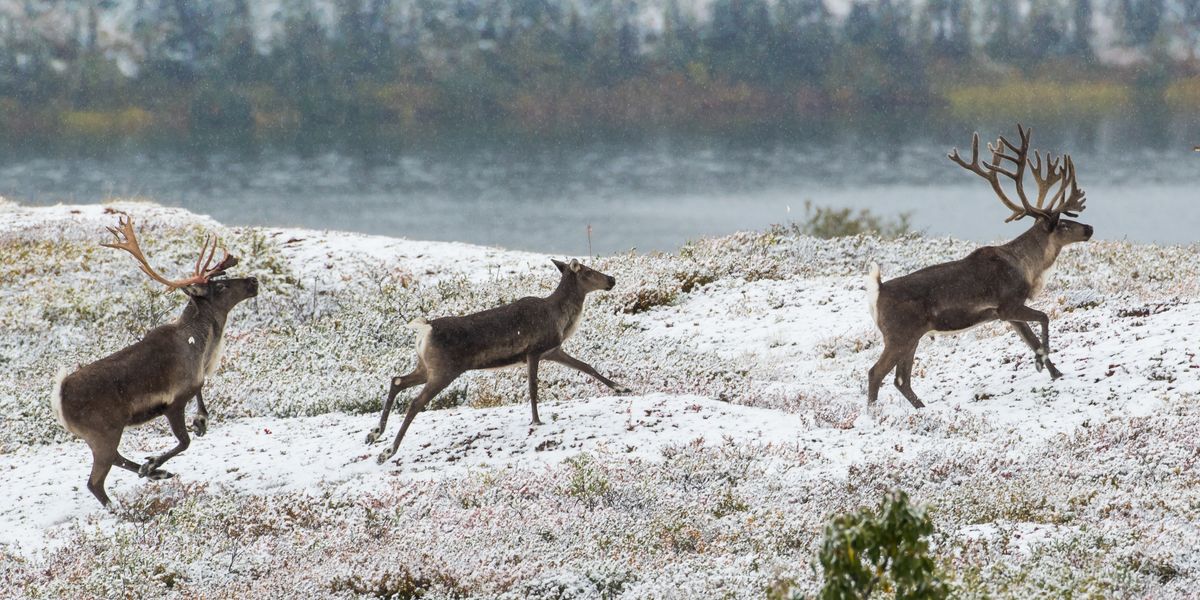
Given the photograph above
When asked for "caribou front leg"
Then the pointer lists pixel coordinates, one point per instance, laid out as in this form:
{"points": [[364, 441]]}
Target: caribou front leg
{"points": [[200, 421], [532, 360], [1022, 328], [1024, 314], [561, 357]]}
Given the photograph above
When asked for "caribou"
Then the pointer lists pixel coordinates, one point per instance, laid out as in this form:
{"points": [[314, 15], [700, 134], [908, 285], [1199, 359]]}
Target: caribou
{"points": [[524, 332], [993, 282], [157, 375]]}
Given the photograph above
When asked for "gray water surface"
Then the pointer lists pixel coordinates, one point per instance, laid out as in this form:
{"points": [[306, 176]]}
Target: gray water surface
{"points": [[649, 191]]}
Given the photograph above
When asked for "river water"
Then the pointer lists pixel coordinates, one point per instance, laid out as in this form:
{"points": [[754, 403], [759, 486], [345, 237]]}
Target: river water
{"points": [[650, 190]]}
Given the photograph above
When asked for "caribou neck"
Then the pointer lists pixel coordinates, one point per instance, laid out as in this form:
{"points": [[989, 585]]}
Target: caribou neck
{"points": [[202, 317], [568, 298], [1034, 251]]}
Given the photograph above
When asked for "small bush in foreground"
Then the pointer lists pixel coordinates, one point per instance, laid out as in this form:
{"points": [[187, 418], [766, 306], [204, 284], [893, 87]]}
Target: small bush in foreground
{"points": [[880, 550], [401, 585], [586, 481]]}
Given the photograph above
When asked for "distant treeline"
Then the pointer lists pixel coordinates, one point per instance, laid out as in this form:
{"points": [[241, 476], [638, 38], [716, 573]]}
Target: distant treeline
{"points": [[126, 66]]}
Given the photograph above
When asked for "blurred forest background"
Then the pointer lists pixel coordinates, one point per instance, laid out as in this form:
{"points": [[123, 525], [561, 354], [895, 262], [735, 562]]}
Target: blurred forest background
{"points": [[568, 125], [134, 67]]}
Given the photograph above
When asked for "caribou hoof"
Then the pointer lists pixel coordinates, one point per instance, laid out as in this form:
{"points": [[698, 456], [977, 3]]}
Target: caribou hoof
{"points": [[373, 436], [1041, 358], [385, 455], [536, 422], [150, 466], [1054, 373], [200, 425], [623, 391], [160, 474]]}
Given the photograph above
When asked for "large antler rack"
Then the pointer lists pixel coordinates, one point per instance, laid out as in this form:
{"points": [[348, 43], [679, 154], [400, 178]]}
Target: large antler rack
{"points": [[1068, 199], [204, 270]]}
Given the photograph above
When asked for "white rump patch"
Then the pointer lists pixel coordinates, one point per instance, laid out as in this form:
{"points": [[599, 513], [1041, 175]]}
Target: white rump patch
{"points": [[56, 398], [873, 292], [423, 328]]}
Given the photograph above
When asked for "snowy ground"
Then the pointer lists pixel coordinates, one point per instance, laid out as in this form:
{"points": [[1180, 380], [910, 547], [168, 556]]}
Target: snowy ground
{"points": [[748, 429]]}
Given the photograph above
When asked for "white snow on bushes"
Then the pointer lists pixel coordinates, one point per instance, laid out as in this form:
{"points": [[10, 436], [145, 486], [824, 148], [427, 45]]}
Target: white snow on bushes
{"points": [[747, 431]]}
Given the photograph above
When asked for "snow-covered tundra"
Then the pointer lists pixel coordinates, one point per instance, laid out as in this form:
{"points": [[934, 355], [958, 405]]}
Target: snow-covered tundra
{"points": [[749, 430]]}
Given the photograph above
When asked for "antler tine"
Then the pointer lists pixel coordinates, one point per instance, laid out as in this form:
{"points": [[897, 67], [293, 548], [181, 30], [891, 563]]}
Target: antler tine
{"points": [[226, 262], [209, 247], [989, 172], [199, 259], [1061, 202], [129, 243], [126, 239], [1046, 181], [974, 166], [1074, 202], [1020, 160]]}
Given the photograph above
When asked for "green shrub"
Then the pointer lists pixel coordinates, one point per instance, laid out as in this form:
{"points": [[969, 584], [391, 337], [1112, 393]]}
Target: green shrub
{"points": [[586, 481], [880, 550], [690, 280], [398, 585], [825, 222]]}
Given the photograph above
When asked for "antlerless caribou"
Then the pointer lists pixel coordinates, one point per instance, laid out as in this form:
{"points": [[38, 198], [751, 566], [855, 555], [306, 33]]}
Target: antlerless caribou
{"points": [[525, 332]]}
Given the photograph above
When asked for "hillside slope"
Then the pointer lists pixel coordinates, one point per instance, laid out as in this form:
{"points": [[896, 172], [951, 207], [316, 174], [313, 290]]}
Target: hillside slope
{"points": [[748, 429]]}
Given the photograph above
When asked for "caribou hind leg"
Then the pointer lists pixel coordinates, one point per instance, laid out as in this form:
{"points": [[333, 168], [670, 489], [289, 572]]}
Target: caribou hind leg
{"points": [[104, 455], [903, 379], [102, 462], [399, 384], [893, 351], [432, 388], [175, 416]]}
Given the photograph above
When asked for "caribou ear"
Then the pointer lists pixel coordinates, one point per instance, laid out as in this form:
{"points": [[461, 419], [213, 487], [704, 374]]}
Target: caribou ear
{"points": [[575, 265], [196, 290], [562, 266]]}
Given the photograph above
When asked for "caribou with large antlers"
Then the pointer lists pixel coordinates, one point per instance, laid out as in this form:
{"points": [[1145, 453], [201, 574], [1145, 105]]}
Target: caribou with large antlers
{"points": [[992, 283], [157, 375]]}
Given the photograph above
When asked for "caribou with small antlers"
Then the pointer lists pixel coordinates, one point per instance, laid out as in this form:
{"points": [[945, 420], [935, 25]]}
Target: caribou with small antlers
{"points": [[992, 283], [525, 332], [157, 375]]}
